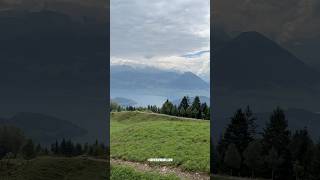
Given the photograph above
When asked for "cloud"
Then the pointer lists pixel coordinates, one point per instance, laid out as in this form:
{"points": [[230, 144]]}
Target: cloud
{"points": [[283, 20], [147, 28], [199, 65]]}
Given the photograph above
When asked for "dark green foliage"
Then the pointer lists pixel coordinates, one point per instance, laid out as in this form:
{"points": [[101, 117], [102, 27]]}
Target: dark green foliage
{"points": [[184, 103], [276, 154], [315, 163], [69, 149], [277, 136], [28, 150], [237, 133], [253, 156], [276, 133], [196, 110], [274, 161], [205, 111], [167, 108], [232, 158], [302, 151], [11, 140], [251, 122]]}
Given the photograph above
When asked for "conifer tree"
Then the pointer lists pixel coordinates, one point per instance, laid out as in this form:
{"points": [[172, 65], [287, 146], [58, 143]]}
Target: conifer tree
{"points": [[28, 150], [184, 103], [195, 108], [315, 163], [237, 132], [253, 156], [302, 151], [274, 161], [277, 136], [232, 158], [252, 126]]}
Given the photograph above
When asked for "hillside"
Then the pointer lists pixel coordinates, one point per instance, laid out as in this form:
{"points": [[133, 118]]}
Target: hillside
{"points": [[251, 60], [52, 168], [56, 65], [43, 128], [137, 136], [253, 70]]}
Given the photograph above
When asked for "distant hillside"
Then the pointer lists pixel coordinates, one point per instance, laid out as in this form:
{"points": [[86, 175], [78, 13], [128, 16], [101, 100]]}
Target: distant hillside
{"points": [[43, 128]]}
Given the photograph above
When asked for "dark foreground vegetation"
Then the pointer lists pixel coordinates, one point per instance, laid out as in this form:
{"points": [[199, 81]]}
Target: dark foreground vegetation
{"points": [[54, 168], [275, 153], [196, 109], [13, 144]]}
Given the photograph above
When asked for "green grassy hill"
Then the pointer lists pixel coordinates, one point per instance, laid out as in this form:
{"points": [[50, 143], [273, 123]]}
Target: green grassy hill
{"points": [[53, 168], [137, 136], [124, 172], [60, 168]]}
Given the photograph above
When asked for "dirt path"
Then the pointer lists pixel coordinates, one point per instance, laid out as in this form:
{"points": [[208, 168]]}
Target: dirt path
{"points": [[162, 170]]}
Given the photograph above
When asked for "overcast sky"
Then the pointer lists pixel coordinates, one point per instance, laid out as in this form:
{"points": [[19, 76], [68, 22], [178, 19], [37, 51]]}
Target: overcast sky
{"points": [[169, 34]]}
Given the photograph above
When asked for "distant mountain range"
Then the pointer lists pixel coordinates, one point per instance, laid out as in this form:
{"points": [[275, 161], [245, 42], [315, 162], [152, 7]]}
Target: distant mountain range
{"points": [[152, 86], [131, 78], [253, 61], [251, 69], [125, 102], [43, 128]]}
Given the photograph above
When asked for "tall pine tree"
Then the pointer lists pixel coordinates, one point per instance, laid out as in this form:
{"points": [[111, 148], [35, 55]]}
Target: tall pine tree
{"points": [[276, 135]]}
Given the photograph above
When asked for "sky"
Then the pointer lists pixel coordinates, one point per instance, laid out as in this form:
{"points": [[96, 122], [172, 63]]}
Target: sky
{"points": [[167, 34], [284, 20]]}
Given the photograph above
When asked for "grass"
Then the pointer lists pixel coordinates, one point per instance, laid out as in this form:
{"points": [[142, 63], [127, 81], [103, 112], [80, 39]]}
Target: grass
{"points": [[59, 168], [53, 168], [137, 136], [123, 172]]}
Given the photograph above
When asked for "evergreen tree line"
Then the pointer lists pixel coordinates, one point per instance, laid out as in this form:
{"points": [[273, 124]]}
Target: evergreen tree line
{"points": [[69, 149], [275, 153], [14, 144], [196, 109]]}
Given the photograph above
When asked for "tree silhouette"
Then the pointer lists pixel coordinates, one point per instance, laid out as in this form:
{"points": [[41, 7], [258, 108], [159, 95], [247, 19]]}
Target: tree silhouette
{"points": [[28, 150], [253, 156], [232, 158]]}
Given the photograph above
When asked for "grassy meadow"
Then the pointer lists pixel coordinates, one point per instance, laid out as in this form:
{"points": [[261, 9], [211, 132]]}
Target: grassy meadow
{"points": [[137, 136], [53, 168], [124, 172]]}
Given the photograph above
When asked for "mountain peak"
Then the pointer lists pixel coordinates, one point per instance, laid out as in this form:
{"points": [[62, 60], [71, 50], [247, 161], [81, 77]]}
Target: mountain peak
{"points": [[253, 60], [253, 39]]}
